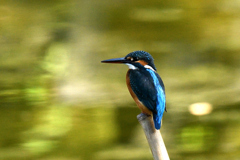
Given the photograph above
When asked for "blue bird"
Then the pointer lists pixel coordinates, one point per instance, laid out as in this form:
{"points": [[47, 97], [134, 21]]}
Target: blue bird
{"points": [[144, 84]]}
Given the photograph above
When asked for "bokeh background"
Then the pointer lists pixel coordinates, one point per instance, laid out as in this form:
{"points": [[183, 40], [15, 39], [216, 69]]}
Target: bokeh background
{"points": [[58, 102]]}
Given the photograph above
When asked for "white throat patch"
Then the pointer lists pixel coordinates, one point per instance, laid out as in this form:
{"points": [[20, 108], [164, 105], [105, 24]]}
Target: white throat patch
{"points": [[131, 66], [149, 67]]}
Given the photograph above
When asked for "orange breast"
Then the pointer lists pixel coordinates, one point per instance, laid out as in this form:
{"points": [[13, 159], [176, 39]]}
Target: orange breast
{"points": [[144, 109]]}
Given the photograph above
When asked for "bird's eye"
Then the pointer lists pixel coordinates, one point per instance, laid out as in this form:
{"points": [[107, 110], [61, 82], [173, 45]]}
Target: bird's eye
{"points": [[130, 58]]}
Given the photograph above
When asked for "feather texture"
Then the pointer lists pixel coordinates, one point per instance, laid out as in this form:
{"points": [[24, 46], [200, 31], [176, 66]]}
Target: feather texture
{"points": [[149, 89]]}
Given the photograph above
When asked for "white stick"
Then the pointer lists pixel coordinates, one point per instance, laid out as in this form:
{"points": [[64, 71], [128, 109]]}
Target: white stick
{"points": [[154, 137]]}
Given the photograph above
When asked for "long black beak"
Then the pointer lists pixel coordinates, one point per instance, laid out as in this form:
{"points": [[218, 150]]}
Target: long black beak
{"points": [[115, 60]]}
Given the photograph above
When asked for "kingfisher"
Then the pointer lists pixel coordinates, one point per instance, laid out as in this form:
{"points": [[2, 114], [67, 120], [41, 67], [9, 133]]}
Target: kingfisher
{"points": [[144, 84]]}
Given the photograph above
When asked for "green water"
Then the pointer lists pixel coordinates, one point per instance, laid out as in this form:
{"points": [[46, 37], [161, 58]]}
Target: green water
{"points": [[57, 101]]}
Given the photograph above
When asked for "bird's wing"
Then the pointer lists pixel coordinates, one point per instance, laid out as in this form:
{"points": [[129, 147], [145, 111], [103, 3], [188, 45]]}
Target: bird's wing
{"points": [[149, 88]]}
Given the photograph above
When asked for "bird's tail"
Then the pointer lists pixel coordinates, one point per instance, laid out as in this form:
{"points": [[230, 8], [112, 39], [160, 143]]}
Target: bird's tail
{"points": [[157, 121]]}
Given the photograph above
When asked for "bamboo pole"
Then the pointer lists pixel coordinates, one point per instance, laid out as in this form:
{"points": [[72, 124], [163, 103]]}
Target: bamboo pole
{"points": [[154, 137]]}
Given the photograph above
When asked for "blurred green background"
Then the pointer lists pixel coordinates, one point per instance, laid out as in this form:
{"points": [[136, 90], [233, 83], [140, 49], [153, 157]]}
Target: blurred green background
{"points": [[58, 102]]}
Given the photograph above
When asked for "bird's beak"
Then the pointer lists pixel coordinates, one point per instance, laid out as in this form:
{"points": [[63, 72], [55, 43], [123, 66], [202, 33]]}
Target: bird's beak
{"points": [[115, 60]]}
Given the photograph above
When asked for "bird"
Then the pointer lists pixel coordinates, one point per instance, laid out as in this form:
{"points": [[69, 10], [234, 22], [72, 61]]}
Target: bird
{"points": [[144, 84]]}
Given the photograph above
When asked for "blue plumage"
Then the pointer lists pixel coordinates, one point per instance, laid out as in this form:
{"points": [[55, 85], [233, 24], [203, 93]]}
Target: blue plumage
{"points": [[144, 84], [160, 101], [149, 88]]}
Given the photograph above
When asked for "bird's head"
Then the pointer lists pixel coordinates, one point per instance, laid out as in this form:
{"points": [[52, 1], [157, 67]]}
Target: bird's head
{"points": [[134, 60]]}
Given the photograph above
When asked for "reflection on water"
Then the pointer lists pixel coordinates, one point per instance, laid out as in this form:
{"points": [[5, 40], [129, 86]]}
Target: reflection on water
{"points": [[57, 101]]}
